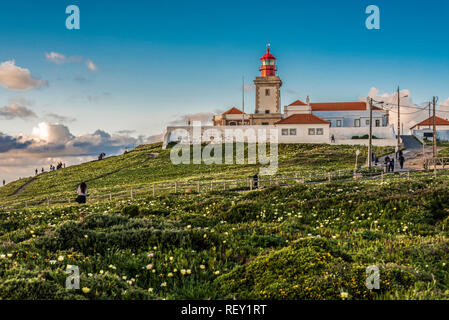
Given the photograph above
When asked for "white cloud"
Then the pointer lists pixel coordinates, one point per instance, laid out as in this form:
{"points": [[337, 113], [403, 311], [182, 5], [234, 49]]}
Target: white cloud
{"points": [[16, 111], [91, 66], [60, 118], [411, 113], [60, 58], [57, 58], [51, 133], [14, 77]]}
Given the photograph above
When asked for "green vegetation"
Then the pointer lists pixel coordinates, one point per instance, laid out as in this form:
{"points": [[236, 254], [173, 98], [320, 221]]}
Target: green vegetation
{"points": [[139, 169], [302, 242], [364, 137], [309, 241]]}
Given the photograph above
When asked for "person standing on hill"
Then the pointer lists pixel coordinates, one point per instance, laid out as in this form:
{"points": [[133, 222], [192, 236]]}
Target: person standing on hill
{"points": [[256, 181], [401, 161], [4, 182], [82, 193]]}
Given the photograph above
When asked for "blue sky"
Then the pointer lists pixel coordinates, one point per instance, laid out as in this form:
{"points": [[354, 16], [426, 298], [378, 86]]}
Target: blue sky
{"points": [[160, 59]]}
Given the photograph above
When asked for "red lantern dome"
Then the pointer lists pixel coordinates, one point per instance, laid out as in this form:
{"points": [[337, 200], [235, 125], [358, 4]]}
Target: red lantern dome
{"points": [[268, 67]]}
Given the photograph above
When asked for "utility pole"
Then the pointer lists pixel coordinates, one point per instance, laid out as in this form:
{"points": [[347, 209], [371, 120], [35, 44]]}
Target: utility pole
{"points": [[243, 100], [399, 118], [434, 129], [434, 138], [370, 145]]}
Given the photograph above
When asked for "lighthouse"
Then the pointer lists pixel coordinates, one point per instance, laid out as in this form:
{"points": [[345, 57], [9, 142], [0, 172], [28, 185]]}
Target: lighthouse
{"points": [[268, 67], [268, 93]]}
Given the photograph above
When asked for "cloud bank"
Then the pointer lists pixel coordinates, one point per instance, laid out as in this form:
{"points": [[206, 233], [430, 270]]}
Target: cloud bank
{"points": [[50, 143]]}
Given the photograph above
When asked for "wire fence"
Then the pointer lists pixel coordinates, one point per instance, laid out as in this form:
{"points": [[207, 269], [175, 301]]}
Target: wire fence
{"points": [[238, 185]]}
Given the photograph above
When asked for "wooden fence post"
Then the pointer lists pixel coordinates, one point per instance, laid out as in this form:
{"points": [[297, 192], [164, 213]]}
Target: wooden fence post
{"points": [[211, 186], [408, 175], [154, 190], [224, 185], [381, 176], [110, 196], [176, 187], [132, 195], [199, 186], [250, 184], [48, 201], [329, 177]]}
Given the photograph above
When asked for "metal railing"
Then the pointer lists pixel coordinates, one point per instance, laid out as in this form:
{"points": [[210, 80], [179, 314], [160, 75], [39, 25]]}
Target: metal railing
{"points": [[238, 185]]}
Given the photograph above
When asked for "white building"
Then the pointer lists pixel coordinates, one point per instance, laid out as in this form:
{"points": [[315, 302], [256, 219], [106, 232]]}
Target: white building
{"points": [[424, 129]]}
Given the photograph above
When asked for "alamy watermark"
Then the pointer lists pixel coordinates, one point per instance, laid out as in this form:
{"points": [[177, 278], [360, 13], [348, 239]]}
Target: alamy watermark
{"points": [[373, 279], [73, 279], [189, 149], [373, 20], [73, 20]]}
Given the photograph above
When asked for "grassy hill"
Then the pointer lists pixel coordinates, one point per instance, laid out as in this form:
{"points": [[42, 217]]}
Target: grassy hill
{"points": [[309, 241], [139, 169]]}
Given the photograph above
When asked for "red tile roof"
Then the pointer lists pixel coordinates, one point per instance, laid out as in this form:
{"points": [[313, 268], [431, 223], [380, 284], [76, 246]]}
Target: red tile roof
{"points": [[429, 122], [341, 106], [335, 106], [297, 103], [306, 118], [233, 111]]}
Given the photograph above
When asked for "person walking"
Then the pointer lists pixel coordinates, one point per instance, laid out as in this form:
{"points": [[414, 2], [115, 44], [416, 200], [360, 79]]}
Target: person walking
{"points": [[401, 161], [36, 172], [256, 181], [387, 164], [4, 182], [82, 193], [392, 165]]}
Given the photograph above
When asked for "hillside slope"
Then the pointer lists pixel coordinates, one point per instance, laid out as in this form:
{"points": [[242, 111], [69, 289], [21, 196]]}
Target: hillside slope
{"points": [[302, 242], [149, 164]]}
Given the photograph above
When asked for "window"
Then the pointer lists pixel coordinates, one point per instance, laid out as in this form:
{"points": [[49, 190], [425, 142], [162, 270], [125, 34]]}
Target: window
{"points": [[377, 123], [265, 123], [319, 131], [232, 123], [285, 132], [267, 111], [311, 131], [356, 122], [267, 92], [293, 132], [367, 122], [338, 123]]}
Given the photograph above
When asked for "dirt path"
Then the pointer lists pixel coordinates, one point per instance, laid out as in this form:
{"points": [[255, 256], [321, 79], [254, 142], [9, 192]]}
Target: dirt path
{"points": [[20, 190]]}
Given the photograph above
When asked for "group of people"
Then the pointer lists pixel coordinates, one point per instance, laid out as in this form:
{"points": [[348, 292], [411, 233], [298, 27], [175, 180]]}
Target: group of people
{"points": [[390, 162], [60, 165], [52, 168]]}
